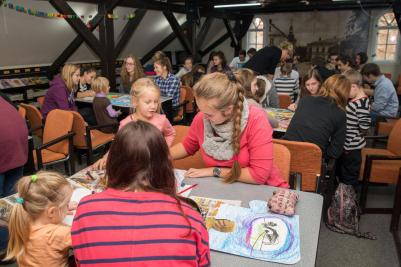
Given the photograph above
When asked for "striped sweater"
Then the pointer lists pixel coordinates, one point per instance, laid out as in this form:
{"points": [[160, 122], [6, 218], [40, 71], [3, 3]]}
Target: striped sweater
{"points": [[286, 86], [118, 228], [358, 120]]}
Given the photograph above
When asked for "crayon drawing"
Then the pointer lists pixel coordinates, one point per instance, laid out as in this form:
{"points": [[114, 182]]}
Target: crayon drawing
{"points": [[267, 236]]}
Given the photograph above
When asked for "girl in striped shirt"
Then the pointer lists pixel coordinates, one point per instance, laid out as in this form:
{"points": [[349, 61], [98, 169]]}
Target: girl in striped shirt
{"points": [[139, 220], [358, 122], [285, 85]]}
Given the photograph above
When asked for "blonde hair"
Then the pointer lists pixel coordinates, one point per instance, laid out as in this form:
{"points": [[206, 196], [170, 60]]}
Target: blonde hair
{"points": [[138, 70], [66, 74], [337, 87], [245, 77], [354, 77], [228, 92], [144, 85], [285, 45], [99, 84], [286, 69], [50, 189]]}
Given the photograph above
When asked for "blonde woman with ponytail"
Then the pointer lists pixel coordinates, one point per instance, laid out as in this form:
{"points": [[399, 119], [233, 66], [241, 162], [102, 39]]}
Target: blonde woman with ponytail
{"points": [[234, 137], [37, 235]]}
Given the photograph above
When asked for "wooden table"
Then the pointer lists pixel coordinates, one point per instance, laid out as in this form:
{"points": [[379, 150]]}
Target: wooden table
{"points": [[309, 209]]}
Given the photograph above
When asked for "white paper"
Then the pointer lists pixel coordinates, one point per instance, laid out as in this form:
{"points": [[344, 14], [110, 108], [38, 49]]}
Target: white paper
{"points": [[77, 195]]}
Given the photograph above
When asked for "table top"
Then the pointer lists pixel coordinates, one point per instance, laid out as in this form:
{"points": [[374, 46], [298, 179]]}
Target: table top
{"points": [[283, 116], [118, 100], [309, 209]]}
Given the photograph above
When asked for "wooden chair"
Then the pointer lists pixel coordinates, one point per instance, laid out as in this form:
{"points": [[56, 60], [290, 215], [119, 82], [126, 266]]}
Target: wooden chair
{"points": [[22, 112], [40, 100], [180, 118], [381, 165], [89, 138], [282, 160], [57, 141], [284, 100], [306, 160], [34, 118], [195, 161]]}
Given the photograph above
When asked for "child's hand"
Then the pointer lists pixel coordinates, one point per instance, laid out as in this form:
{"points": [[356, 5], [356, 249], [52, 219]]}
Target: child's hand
{"points": [[72, 206], [292, 107], [99, 165]]}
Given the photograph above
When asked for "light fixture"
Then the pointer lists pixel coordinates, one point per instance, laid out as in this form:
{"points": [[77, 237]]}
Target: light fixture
{"points": [[238, 5]]}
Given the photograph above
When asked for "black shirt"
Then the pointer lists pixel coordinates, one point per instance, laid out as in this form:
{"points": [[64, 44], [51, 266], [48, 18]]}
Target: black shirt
{"points": [[320, 121], [265, 60]]}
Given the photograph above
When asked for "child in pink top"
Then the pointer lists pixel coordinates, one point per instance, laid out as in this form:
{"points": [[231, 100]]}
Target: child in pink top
{"points": [[146, 101], [235, 139]]}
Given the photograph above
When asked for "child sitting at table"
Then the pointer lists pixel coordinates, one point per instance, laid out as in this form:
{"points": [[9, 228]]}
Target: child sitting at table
{"points": [[104, 112], [285, 85], [139, 219], [37, 235], [358, 122], [145, 97]]}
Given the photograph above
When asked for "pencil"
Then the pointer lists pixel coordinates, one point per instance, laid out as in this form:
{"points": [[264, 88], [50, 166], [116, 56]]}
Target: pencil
{"points": [[186, 189]]}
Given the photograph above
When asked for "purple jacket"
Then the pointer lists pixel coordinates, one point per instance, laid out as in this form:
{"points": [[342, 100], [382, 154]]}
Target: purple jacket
{"points": [[13, 138], [58, 97]]}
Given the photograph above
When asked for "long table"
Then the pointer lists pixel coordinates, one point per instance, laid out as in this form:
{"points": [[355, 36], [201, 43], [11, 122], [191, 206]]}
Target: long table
{"points": [[309, 209]]}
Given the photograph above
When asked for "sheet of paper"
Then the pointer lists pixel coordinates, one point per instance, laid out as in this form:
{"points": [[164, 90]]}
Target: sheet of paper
{"points": [[77, 195]]}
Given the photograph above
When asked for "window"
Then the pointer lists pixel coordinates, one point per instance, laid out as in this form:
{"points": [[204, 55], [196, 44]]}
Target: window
{"points": [[387, 36], [256, 34]]}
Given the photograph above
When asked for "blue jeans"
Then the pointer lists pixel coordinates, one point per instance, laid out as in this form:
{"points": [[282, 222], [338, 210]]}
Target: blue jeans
{"points": [[3, 238], [8, 180]]}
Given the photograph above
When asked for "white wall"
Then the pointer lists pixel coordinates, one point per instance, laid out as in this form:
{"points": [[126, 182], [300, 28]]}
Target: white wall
{"points": [[27, 40]]}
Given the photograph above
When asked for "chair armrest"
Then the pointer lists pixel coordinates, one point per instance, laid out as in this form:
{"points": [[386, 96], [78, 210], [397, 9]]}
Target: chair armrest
{"points": [[55, 141], [90, 128], [376, 137], [296, 181]]}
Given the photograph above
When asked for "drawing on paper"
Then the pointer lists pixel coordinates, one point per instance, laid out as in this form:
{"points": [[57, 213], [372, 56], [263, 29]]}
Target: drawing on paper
{"points": [[264, 236]]}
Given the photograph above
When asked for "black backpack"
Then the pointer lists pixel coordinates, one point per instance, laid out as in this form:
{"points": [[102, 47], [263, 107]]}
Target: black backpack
{"points": [[344, 213]]}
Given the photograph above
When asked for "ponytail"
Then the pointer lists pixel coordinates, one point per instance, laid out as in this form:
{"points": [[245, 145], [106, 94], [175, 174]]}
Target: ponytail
{"points": [[19, 228]]}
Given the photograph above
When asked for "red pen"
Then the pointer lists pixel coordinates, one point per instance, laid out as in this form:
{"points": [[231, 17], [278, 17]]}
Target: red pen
{"points": [[186, 189]]}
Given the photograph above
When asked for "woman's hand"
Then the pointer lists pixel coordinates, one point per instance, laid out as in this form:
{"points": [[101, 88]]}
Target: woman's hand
{"points": [[292, 107], [100, 164], [196, 173]]}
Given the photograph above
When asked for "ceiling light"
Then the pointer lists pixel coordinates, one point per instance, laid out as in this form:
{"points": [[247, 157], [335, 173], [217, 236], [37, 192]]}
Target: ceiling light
{"points": [[238, 5]]}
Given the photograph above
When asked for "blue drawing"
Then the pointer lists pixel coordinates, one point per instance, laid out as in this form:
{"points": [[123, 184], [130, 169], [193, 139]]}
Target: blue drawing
{"points": [[263, 236]]}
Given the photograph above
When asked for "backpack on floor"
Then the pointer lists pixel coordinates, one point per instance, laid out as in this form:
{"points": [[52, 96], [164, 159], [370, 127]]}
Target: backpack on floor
{"points": [[344, 213]]}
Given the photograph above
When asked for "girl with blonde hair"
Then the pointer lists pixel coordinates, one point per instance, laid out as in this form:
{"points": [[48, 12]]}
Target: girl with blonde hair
{"points": [[234, 137], [131, 70], [320, 119], [61, 92], [37, 235]]}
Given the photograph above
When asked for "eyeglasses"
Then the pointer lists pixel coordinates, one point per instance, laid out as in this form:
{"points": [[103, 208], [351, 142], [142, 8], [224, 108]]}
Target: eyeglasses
{"points": [[129, 64]]}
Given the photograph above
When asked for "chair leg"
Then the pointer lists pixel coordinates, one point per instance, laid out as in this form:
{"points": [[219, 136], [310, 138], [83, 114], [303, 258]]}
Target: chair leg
{"points": [[72, 163], [67, 168], [365, 184]]}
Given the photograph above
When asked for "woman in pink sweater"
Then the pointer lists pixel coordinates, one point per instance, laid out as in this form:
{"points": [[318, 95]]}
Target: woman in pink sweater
{"points": [[235, 139]]}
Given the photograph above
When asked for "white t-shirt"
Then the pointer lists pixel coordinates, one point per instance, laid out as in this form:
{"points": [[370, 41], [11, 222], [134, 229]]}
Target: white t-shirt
{"points": [[237, 64]]}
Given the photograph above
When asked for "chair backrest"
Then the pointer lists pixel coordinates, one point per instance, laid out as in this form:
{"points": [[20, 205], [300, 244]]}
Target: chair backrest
{"points": [[190, 98], [306, 159], [183, 95], [282, 160], [22, 112], [58, 123], [195, 161], [284, 100], [34, 117], [79, 128], [394, 140], [40, 100], [399, 85]]}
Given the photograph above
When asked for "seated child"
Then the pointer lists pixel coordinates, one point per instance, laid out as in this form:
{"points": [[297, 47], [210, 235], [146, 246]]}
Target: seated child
{"points": [[358, 122], [37, 234], [104, 112], [285, 84]]}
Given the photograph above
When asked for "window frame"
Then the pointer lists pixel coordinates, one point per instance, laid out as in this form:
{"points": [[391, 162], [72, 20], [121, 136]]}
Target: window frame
{"points": [[377, 28], [248, 44]]}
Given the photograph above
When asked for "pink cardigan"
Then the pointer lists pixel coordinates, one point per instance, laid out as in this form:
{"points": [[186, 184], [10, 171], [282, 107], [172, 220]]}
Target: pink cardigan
{"points": [[256, 148], [161, 123]]}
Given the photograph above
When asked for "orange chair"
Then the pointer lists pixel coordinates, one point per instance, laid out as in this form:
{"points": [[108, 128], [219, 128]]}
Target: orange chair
{"points": [[282, 160], [399, 85], [385, 127], [40, 100], [306, 159], [194, 161], [89, 138], [57, 141], [180, 118], [22, 112], [35, 119], [190, 98], [284, 100], [381, 165]]}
